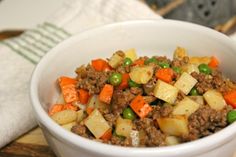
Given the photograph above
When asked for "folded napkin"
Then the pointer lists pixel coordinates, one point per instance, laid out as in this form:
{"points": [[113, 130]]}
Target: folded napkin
{"points": [[20, 55]]}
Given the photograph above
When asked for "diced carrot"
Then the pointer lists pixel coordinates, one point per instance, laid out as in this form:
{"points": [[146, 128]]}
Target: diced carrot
{"points": [[165, 74], [83, 96], [100, 65], [107, 135], [107, 67], [106, 93], [89, 110], [70, 107], [56, 108], [139, 62], [68, 88], [230, 98], [214, 63], [140, 107], [124, 83]]}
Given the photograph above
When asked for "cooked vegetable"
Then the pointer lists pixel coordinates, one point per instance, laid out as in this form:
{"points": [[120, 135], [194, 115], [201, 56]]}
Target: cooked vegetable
{"points": [[70, 107], [68, 89], [56, 108], [131, 53], [197, 99], [165, 92], [214, 99], [177, 69], [123, 127], [193, 92], [176, 126], [141, 75], [83, 96], [124, 83], [199, 60], [127, 62], [185, 107], [64, 117], [128, 113], [214, 63], [139, 62], [134, 134], [100, 65], [68, 126], [151, 60], [204, 68], [180, 53], [231, 116], [185, 83], [172, 140], [230, 98], [106, 94], [140, 107], [164, 64], [115, 79], [60, 100], [165, 74], [80, 116], [115, 60], [107, 135], [133, 84], [189, 68], [96, 124]]}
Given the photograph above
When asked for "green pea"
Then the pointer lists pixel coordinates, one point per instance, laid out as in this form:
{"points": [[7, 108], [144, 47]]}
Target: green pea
{"points": [[133, 84], [164, 65], [151, 60], [127, 62], [115, 79], [128, 113], [194, 92], [231, 116], [204, 68], [177, 69]]}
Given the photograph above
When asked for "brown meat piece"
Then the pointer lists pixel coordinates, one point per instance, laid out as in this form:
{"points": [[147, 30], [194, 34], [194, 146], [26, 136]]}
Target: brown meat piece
{"points": [[94, 80], [80, 130], [136, 90], [149, 99], [206, 121], [149, 87]]}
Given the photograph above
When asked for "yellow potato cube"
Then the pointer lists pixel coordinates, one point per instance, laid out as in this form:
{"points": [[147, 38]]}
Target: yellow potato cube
{"points": [[131, 53], [165, 92], [172, 140], [64, 117], [185, 83], [68, 126], [115, 60], [185, 107], [214, 99], [141, 75], [176, 126], [96, 123], [123, 127]]}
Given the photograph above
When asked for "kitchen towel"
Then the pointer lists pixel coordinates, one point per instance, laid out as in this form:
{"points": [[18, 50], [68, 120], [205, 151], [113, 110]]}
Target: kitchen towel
{"points": [[18, 56]]}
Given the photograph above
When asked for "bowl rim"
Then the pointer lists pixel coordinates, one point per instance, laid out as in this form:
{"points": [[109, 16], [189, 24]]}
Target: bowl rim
{"points": [[194, 147]]}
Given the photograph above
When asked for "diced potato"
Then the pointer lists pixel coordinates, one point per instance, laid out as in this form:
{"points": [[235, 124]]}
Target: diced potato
{"points": [[185, 83], [172, 140], [64, 117], [134, 134], [80, 115], [199, 60], [185, 107], [141, 75], [123, 127], [60, 99], [115, 60], [68, 126], [176, 126], [189, 68], [96, 124], [165, 91], [197, 99], [180, 53], [214, 99], [131, 53]]}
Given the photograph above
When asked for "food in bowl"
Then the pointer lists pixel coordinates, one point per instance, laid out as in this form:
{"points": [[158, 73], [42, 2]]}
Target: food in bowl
{"points": [[146, 101]]}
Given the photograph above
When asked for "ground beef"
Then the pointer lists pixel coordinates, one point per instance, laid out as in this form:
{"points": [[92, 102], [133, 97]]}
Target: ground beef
{"points": [[111, 118], [180, 62], [160, 111], [149, 86], [206, 121], [121, 100], [81, 130], [180, 96], [163, 59], [149, 99], [121, 141], [151, 135], [136, 90], [94, 80]]}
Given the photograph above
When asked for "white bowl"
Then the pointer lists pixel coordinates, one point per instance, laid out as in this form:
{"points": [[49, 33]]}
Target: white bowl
{"points": [[148, 37]]}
